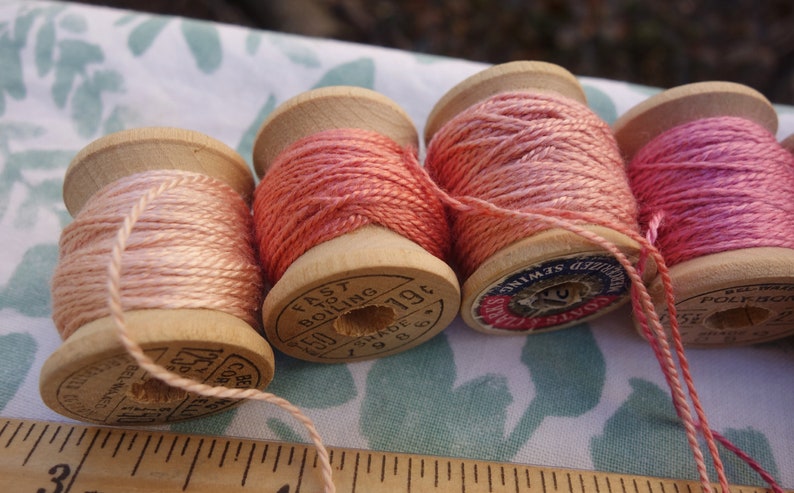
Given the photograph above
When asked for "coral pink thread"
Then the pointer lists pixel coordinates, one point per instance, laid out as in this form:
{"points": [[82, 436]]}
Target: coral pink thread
{"points": [[521, 151], [336, 181], [455, 161], [169, 189], [721, 184]]}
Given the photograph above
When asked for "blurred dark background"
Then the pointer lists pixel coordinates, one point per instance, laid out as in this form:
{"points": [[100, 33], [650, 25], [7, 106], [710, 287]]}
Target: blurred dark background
{"points": [[659, 43]]}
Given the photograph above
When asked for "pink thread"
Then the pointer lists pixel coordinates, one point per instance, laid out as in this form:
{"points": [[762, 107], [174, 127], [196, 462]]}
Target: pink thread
{"points": [[454, 163], [522, 151], [136, 229], [336, 181], [195, 251], [721, 183]]}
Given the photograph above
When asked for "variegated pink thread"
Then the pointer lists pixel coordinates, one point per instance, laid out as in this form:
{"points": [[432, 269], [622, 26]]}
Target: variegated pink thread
{"points": [[722, 183], [490, 134], [170, 188]]}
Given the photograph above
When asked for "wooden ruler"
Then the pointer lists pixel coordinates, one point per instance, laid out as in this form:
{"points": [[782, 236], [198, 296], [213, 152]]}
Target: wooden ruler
{"points": [[43, 457]]}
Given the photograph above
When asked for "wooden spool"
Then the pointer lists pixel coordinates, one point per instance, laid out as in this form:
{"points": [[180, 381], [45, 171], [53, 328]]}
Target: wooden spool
{"points": [[90, 377], [788, 143], [551, 280], [737, 297], [365, 294]]}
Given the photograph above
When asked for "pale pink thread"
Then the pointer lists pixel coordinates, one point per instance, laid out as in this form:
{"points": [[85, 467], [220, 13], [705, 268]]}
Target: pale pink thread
{"points": [[180, 257], [454, 168], [169, 188], [336, 181], [722, 183]]}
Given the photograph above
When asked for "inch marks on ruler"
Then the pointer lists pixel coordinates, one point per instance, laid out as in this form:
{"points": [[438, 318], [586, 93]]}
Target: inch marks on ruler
{"points": [[44, 457]]}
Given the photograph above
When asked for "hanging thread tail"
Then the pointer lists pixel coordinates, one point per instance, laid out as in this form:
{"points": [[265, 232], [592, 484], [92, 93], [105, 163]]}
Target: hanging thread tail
{"points": [[521, 137], [706, 157], [695, 186], [114, 300], [192, 286]]}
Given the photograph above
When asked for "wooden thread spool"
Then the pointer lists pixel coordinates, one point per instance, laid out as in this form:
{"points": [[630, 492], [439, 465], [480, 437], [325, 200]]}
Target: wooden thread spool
{"points": [[90, 377], [788, 143], [736, 297], [569, 279], [365, 294]]}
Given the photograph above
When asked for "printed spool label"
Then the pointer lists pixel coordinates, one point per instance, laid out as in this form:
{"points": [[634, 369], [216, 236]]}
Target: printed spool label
{"points": [[101, 392], [551, 294], [737, 315], [305, 326]]}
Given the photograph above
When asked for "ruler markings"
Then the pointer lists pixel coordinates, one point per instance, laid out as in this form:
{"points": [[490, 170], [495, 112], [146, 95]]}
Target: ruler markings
{"points": [[87, 459], [30, 430], [192, 463], [13, 435], [408, 479], [35, 444], [212, 449], [55, 435], [265, 450], [355, 472], [83, 459], [66, 439], [248, 464], [223, 455], [301, 471], [141, 455], [171, 450], [278, 457], [118, 445]]}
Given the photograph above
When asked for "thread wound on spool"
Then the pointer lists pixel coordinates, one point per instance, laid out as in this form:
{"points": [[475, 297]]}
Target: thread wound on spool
{"points": [[541, 153], [190, 281], [723, 187], [194, 251], [350, 230], [336, 181]]}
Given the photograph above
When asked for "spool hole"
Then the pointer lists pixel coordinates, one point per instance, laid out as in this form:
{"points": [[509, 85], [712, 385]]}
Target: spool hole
{"points": [[364, 320], [549, 299], [737, 318], [154, 391]]}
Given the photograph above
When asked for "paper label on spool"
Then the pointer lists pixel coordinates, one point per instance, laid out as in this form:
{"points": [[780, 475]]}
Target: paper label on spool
{"points": [[737, 315], [100, 392], [307, 326], [552, 294]]}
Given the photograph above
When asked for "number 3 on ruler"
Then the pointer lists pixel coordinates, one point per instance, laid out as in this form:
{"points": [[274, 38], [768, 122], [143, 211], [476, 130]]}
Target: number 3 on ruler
{"points": [[60, 472]]}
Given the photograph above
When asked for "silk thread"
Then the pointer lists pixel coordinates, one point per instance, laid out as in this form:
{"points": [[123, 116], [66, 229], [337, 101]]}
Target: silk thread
{"points": [[336, 181], [480, 138], [175, 194], [180, 256], [720, 184], [523, 151]]}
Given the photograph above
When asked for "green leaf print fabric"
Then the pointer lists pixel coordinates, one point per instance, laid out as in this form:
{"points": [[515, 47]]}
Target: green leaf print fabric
{"points": [[589, 397]]}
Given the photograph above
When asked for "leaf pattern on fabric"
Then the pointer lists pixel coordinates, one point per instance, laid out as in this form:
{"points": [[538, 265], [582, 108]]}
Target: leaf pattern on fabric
{"points": [[568, 370], [311, 385], [17, 352], [28, 290], [298, 52], [359, 73], [214, 424], [204, 42], [645, 436], [40, 195], [411, 403], [142, 36]]}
